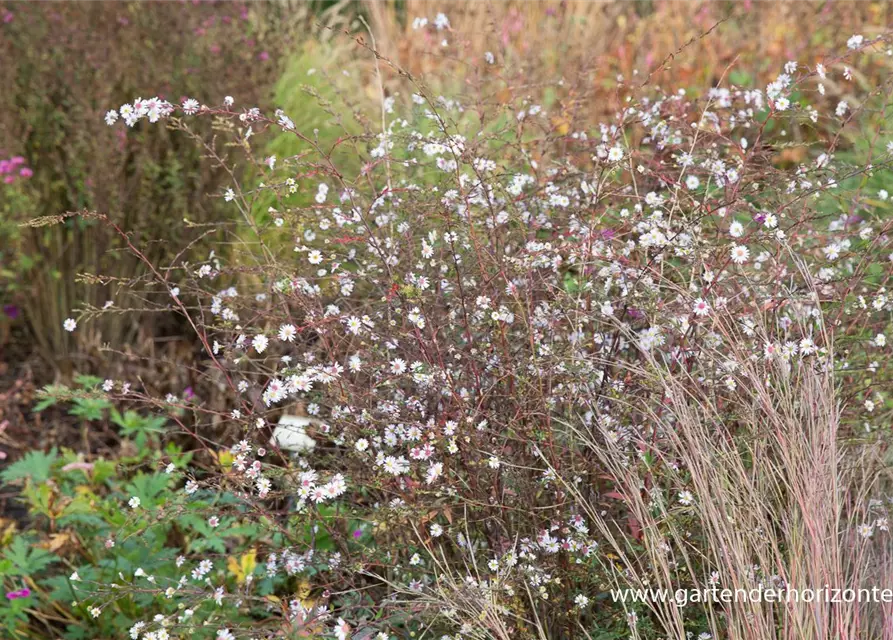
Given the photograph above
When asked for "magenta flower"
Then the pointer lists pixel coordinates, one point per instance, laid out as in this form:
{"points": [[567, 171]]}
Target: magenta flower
{"points": [[21, 593], [26, 172]]}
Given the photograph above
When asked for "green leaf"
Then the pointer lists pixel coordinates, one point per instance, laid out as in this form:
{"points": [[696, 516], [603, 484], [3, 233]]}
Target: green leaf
{"points": [[133, 425], [76, 632], [148, 488], [47, 401], [35, 465], [26, 558], [103, 470], [50, 395], [60, 588], [88, 381], [89, 408], [571, 282]]}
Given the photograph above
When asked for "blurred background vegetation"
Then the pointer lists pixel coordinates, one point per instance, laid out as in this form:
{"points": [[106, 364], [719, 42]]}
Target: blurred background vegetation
{"points": [[65, 64]]}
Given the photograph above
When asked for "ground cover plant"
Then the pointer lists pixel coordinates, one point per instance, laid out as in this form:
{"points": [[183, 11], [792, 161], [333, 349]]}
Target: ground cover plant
{"points": [[528, 359]]}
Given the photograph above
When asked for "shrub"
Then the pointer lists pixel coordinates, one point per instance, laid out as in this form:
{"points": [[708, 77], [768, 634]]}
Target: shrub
{"points": [[524, 366]]}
